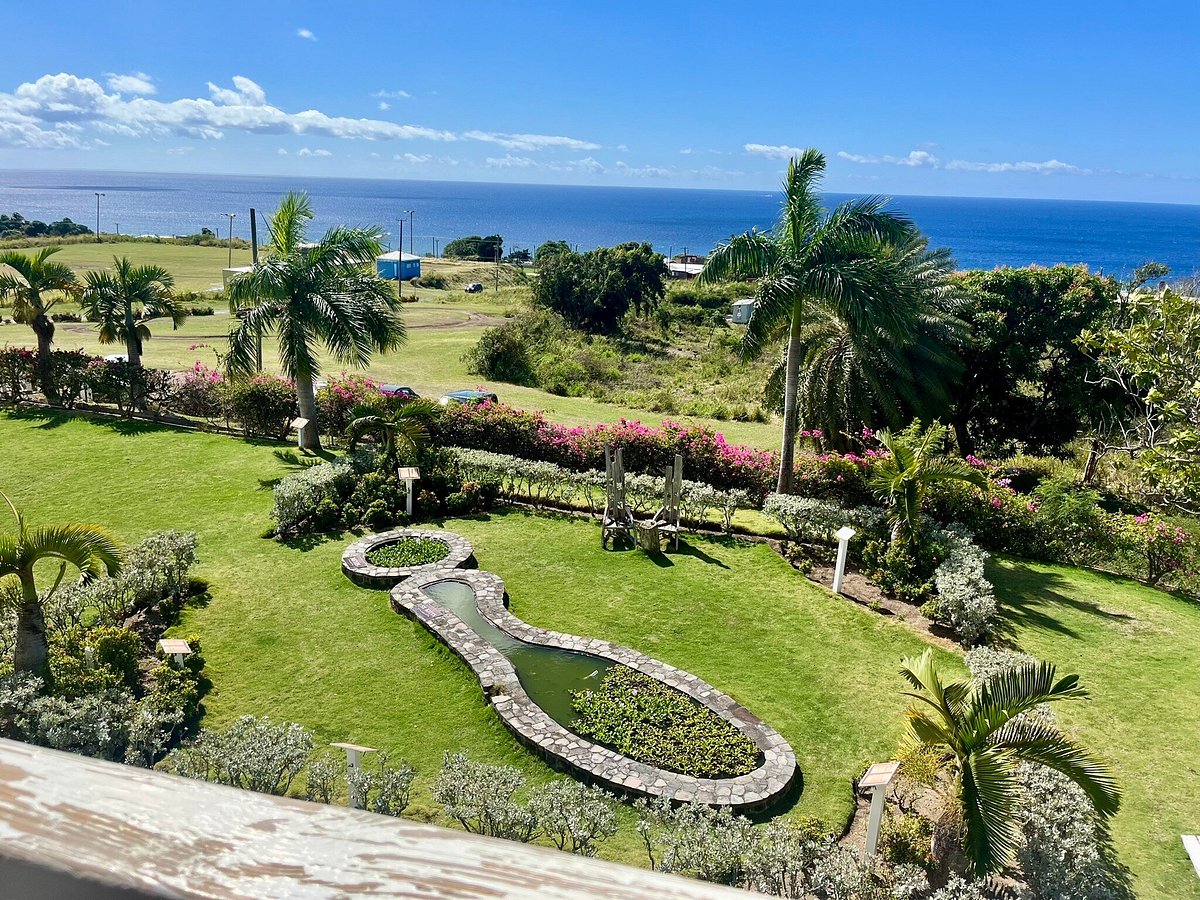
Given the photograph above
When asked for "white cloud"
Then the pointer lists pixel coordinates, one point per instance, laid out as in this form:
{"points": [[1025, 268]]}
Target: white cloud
{"points": [[1049, 167], [587, 165], [179, 151], [642, 171], [134, 83], [384, 106], [915, 159], [415, 158], [392, 95], [772, 151], [306, 34], [622, 148], [687, 151], [281, 152], [304, 151], [530, 141], [508, 161]]}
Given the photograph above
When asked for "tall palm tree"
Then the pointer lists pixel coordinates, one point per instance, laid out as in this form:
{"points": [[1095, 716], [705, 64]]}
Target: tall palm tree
{"points": [[28, 286], [985, 733], [120, 299], [310, 294], [855, 373], [903, 477], [406, 426], [837, 260], [91, 549]]}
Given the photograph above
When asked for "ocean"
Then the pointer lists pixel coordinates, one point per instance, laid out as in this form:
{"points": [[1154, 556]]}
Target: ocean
{"points": [[982, 232]]}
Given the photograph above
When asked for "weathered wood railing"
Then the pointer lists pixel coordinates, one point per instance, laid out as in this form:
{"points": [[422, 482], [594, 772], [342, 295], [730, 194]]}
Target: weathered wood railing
{"points": [[72, 827]]}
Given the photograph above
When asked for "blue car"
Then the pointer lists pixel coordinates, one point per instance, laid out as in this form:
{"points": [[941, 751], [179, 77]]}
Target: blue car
{"points": [[464, 398]]}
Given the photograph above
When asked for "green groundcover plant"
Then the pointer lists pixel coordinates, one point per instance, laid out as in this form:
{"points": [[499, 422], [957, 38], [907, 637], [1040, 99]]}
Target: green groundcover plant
{"points": [[409, 551]]}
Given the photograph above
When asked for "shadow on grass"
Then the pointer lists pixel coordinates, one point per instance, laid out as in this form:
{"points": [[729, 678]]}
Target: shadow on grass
{"points": [[1029, 598], [48, 419], [686, 548]]}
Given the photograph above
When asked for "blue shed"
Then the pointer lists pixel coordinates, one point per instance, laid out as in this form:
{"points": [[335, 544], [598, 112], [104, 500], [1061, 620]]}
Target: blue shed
{"points": [[410, 265]]}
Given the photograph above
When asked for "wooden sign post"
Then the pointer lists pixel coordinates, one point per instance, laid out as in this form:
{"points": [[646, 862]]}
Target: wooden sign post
{"points": [[409, 474], [298, 426]]}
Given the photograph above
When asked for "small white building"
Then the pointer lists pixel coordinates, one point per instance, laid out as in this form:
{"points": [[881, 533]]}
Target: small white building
{"points": [[741, 311], [227, 275]]}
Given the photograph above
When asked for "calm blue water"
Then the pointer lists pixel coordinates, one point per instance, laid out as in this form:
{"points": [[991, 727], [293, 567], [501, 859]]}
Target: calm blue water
{"points": [[983, 233]]}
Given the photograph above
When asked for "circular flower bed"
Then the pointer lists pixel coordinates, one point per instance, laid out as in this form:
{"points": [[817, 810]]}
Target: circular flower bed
{"points": [[408, 552]]}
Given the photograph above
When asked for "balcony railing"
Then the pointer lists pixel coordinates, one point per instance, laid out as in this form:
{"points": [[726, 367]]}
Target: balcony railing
{"points": [[73, 827]]}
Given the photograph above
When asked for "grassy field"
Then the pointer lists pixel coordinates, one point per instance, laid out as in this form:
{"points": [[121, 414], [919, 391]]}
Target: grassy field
{"points": [[287, 635]]}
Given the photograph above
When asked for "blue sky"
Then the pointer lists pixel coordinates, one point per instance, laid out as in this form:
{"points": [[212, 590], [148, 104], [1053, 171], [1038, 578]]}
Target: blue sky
{"points": [[1053, 99]]}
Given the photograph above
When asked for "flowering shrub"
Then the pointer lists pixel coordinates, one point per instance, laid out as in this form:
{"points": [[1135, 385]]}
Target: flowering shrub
{"points": [[338, 399], [708, 457], [18, 367], [832, 476], [70, 375], [265, 405], [1163, 549], [199, 392]]}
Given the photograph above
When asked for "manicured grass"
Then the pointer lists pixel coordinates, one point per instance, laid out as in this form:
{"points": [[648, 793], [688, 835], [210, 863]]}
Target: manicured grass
{"points": [[1136, 650], [288, 636], [195, 268]]}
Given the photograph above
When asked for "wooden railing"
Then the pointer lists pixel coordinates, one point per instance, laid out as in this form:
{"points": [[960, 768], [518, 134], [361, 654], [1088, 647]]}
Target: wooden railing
{"points": [[73, 827]]}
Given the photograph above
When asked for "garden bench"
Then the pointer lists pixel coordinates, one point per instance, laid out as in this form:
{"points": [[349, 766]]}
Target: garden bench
{"points": [[617, 519]]}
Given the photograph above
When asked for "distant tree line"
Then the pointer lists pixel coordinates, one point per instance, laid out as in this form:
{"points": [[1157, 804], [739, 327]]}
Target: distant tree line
{"points": [[475, 247], [17, 226]]}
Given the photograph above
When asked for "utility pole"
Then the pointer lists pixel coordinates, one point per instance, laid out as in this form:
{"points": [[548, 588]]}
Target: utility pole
{"points": [[410, 233], [231, 216], [254, 262], [497, 267], [98, 196]]}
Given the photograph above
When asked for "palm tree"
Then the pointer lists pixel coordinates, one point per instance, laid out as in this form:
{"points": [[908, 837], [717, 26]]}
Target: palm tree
{"points": [[27, 286], [407, 426], [855, 373], [902, 478], [120, 299], [312, 293], [838, 261], [91, 549], [985, 733]]}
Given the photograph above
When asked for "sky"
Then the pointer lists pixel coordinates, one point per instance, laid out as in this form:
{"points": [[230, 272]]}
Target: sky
{"points": [[1056, 99]]}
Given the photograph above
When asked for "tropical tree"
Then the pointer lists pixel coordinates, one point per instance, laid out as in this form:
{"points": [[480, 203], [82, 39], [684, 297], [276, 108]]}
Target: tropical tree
{"points": [[838, 261], [28, 286], [855, 372], [325, 292], [91, 549], [904, 475], [984, 731], [120, 300], [406, 426]]}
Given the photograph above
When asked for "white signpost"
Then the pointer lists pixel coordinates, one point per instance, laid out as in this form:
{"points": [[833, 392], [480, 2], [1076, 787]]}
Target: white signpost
{"points": [[354, 755], [176, 648], [876, 780], [298, 427], [409, 474], [843, 535]]}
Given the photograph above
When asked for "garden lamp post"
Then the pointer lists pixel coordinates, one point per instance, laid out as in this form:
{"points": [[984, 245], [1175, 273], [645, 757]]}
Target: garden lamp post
{"points": [[231, 217], [354, 755], [876, 780], [843, 535], [98, 196]]}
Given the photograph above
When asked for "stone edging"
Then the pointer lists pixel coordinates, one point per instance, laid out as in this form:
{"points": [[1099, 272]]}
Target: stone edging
{"points": [[586, 760], [359, 570]]}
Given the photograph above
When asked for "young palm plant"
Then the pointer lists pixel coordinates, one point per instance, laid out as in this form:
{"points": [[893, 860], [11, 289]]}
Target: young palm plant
{"points": [[840, 261], [903, 477], [91, 549], [120, 300], [310, 294], [406, 426], [984, 732], [35, 285]]}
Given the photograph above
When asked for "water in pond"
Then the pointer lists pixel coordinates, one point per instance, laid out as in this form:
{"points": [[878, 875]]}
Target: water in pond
{"points": [[548, 674]]}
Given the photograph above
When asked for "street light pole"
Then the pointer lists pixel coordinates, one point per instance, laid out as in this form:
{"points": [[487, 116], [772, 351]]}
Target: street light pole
{"points": [[231, 216], [410, 233], [98, 196]]}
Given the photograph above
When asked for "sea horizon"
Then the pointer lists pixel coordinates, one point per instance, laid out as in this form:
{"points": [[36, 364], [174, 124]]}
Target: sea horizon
{"points": [[1113, 236]]}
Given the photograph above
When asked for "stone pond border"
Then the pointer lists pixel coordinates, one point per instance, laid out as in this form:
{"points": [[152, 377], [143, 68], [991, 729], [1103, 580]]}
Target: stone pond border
{"points": [[363, 573], [533, 727]]}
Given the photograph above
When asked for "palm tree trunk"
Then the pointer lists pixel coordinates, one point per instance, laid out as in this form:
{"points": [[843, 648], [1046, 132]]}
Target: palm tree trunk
{"points": [[31, 650], [787, 452], [43, 327], [132, 350], [306, 398]]}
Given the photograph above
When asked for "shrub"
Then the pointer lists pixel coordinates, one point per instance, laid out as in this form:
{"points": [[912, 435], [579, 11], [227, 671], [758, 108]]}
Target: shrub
{"points": [[435, 280], [380, 787], [201, 311], [653, 723], [964, 601], [575, 817], [322, 777], [18, 368], [809, 519], [1077, 530], [264, 405], [480, 798], [310, 500], [253, 753], [501, 355], [99, 659], [200, 393], [408, 551], [70, 375], [338, 401], [1160, 547]]}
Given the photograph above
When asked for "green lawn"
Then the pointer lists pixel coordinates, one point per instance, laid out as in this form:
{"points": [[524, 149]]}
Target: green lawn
{"points": [[1136, 649], [287, 635]]}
